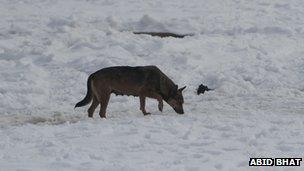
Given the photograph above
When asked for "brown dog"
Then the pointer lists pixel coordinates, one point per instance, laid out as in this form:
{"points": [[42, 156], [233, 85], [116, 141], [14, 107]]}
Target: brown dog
{"points": [[142, 81]]}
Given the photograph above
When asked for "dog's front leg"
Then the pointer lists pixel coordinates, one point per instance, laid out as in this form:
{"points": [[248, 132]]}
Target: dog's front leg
{"points": [[143, 105], [160, 104], [159, 99]]}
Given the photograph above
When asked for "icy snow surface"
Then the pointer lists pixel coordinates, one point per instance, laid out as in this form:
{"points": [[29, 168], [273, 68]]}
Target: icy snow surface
{"points": [[250, 51]]}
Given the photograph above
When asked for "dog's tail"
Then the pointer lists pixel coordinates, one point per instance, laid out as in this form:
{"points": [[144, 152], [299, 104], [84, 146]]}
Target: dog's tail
{"points": [[88, 98]]}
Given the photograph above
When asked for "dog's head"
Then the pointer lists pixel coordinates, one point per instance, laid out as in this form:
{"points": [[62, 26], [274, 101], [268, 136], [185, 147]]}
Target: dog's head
{"points": [[176, 100]]}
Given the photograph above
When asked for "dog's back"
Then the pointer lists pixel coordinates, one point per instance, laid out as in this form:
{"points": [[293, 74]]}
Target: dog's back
{"points": [[126, 80]]}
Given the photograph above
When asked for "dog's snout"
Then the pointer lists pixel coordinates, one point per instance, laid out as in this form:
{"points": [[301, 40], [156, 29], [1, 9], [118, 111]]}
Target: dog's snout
{"points": [[179, 111]]}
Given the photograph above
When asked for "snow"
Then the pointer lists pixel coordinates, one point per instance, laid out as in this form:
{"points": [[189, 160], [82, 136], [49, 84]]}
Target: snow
{"points": [[250, 52]]}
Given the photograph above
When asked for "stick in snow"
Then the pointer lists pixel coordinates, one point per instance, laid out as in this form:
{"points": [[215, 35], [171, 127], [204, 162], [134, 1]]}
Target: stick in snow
{"points": [[164, 34], [202, 88]]}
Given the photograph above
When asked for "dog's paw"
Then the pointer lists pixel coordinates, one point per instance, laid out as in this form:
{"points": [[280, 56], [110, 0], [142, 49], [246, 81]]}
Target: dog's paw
{"points": [[147, 113]]}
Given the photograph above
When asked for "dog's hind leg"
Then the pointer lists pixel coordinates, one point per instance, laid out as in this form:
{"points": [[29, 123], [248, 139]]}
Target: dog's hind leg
{"points": [[104, 100], [93, 107]]}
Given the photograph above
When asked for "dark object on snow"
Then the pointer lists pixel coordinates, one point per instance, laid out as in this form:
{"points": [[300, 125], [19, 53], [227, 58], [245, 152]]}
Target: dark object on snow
{"points": [[164, 34], [202, 88]]}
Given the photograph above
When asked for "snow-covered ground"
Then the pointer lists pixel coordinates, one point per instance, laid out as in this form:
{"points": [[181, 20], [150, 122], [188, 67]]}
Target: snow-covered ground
{"points": [[250, 51]]}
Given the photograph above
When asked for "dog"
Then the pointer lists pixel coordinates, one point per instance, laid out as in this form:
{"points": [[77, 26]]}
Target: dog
{"points": [[142, 81]]}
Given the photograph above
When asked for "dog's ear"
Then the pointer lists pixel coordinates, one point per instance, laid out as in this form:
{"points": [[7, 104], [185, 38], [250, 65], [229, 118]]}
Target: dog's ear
{"points": [[181, 89]]}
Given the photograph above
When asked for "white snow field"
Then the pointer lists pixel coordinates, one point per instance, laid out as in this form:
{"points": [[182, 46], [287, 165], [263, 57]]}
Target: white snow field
{"points": [[250, 51]]}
